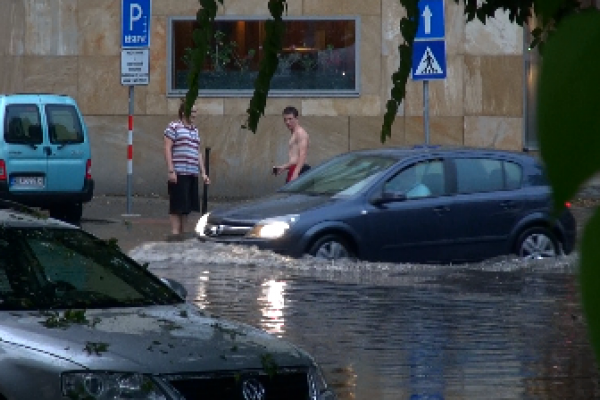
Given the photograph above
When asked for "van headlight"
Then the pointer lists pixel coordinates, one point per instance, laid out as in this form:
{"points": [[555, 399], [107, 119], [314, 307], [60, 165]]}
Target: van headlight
{"points": [[110, 385], [202, 224], [272, 228]]}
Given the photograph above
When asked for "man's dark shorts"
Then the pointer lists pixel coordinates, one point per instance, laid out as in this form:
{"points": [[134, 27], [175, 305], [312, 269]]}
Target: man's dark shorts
{"points": [[305, 168], [183, 195]]}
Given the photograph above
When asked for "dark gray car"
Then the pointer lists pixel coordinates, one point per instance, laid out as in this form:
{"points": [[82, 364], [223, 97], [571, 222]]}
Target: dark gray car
{"points": [[421, 204], [80, 320]]}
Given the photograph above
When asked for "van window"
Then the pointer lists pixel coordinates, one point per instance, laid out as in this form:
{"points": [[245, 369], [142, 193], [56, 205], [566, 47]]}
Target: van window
{"points": [[63, 124], [22, 124]]}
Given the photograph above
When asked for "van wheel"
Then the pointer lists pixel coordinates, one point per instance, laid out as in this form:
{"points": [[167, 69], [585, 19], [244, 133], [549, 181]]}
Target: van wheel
{"points": [[331, 247], [537, 243], [70, 213]]}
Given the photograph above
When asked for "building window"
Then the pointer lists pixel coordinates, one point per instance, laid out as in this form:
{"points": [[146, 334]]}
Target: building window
{"points": [[319, 57]]}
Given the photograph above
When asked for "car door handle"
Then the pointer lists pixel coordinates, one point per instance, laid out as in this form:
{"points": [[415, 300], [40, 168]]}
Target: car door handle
{"points": [[48, 150], [441, 210], [508, 205]]}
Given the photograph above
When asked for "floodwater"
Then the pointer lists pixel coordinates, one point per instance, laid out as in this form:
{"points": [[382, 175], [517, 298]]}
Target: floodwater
{"points": [[504, 329]]}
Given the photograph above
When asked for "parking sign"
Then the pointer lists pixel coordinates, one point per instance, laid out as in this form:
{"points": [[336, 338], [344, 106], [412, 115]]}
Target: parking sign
{"points": [[136, 16]]}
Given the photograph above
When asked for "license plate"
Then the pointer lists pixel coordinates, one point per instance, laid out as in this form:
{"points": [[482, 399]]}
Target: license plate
{"points": [[29, 181]]}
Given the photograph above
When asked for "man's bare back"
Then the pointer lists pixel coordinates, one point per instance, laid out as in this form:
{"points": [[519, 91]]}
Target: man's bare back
{"points": [[297, 146]]}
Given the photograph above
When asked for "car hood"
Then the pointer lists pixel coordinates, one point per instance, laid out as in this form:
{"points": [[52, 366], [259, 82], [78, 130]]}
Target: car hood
{"points": [[272, 206], [157, 339]]}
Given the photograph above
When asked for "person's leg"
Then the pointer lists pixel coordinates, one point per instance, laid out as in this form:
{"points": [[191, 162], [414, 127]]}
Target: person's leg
{"points": [[176, 206], [183, 221], [176, 224]]}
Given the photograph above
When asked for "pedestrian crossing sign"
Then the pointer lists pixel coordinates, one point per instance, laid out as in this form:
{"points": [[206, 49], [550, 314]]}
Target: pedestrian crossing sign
{"points": [[429, 60]]}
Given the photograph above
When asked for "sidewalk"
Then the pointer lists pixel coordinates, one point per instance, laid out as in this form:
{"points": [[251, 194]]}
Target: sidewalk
{"points": [[107, 218]]}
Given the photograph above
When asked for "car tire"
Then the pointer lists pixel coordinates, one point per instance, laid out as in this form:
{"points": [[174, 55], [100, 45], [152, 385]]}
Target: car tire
{"points": [[70, 213], [331, 247], [537, 243], [74, 212]]}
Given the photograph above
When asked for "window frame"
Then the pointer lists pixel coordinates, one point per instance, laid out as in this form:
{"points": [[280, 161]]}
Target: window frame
{"points": [[173, 92]]}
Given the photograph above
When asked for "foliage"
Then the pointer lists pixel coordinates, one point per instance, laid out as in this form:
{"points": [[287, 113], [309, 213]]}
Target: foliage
{"points": [[569, 134], [69, 317], [96, 348], [223, 54], [272, 45], [201, 38]]}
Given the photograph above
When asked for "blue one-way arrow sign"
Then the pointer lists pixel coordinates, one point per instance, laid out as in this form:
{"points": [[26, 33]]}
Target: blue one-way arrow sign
{"points": [[431, 20]]}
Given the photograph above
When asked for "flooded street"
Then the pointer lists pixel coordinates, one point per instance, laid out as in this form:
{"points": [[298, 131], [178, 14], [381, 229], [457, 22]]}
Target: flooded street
{"points": [[500, 330]]}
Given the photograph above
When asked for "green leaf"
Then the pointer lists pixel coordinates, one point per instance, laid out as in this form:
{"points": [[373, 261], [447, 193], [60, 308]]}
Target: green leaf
{"points": [[589, 277], [547, 8], [569, 126]]}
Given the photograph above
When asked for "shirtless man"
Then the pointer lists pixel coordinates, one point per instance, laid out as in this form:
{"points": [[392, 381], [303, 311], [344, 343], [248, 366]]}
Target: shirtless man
{"points": [[298, 146]]}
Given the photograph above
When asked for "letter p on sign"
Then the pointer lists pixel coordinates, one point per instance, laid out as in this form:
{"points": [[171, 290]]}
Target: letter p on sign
{"points": [[135, 14]]}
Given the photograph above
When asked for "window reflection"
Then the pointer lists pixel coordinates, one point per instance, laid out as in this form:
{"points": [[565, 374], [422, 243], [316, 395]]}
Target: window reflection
{"points": [[317, 55], [271, 303]]}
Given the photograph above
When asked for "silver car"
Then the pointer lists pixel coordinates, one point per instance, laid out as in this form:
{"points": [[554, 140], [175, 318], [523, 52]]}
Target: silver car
{"points": [[81, 320]]}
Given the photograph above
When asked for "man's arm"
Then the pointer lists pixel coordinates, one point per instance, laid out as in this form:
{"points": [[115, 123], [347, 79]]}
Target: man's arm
{"points": [[302, 144], [203, 175]]}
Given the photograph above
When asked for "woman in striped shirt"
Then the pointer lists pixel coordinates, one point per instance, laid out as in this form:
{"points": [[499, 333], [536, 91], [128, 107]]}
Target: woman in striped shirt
{"points": [[184, 164]]}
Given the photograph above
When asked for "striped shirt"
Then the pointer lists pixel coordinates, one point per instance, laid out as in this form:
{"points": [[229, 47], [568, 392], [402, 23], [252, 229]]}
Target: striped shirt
{"points": [[186, 144]]}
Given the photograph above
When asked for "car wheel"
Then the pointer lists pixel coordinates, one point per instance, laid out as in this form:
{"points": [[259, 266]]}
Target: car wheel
{"points": [[73, 212], [70, 213], [331, 247], [537, 243]]}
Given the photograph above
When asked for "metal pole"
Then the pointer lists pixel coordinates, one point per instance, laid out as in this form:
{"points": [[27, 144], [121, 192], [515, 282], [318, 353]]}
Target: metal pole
{"points": [[130, 150], [205, 192], [426, 110]]}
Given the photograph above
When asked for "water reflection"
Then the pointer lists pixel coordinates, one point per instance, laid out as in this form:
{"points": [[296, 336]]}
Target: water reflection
{"points": [[504, 329], [272, 303]]}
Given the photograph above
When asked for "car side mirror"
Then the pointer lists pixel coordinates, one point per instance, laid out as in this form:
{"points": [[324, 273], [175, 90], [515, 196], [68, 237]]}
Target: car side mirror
{"points": [[176, 287], [389, 197]]}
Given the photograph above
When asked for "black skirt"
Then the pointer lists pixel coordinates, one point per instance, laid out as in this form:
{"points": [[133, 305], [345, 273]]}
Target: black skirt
{"points": [[183, 195]]}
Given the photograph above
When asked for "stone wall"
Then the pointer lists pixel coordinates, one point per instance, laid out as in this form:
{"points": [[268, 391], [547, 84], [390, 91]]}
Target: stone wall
{"points": [[73, 47]]}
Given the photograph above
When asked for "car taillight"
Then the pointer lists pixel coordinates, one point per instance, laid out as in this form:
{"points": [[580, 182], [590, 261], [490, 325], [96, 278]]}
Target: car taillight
{"points": [[88, 169], [567, 204], [2, 170]]}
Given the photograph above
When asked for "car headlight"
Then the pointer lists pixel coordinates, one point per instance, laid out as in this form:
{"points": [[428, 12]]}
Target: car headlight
{"points": [[110, 385], [318, 389], [272, 228], [202, 224]]}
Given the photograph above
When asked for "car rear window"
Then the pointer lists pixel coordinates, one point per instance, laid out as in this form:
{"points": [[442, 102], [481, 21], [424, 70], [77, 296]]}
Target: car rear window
{"points": [[22, 124], [64, 126], [478, 175]]}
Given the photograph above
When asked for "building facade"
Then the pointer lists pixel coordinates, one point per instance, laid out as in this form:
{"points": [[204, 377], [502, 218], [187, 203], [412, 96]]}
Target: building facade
{"points": [[74, 47]]}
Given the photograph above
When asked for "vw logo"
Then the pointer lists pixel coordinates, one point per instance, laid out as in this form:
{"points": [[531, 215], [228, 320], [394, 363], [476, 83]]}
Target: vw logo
{"points": [[252, 389]]}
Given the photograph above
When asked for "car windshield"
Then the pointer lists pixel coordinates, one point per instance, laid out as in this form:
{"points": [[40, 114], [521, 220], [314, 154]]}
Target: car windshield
{"points": [[58, 268], [345, 175]]}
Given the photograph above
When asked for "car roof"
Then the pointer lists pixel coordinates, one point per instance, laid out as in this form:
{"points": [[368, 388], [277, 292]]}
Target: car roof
{"points": [[404, 152], [15, 215], [54, 98]]}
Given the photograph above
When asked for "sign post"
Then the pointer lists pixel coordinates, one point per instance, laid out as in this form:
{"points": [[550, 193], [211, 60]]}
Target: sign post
{"points": [[429, 51], [135, 69]]}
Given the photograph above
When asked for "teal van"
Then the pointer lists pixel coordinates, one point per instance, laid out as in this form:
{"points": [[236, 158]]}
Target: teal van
{"points": [[45, 154]]}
